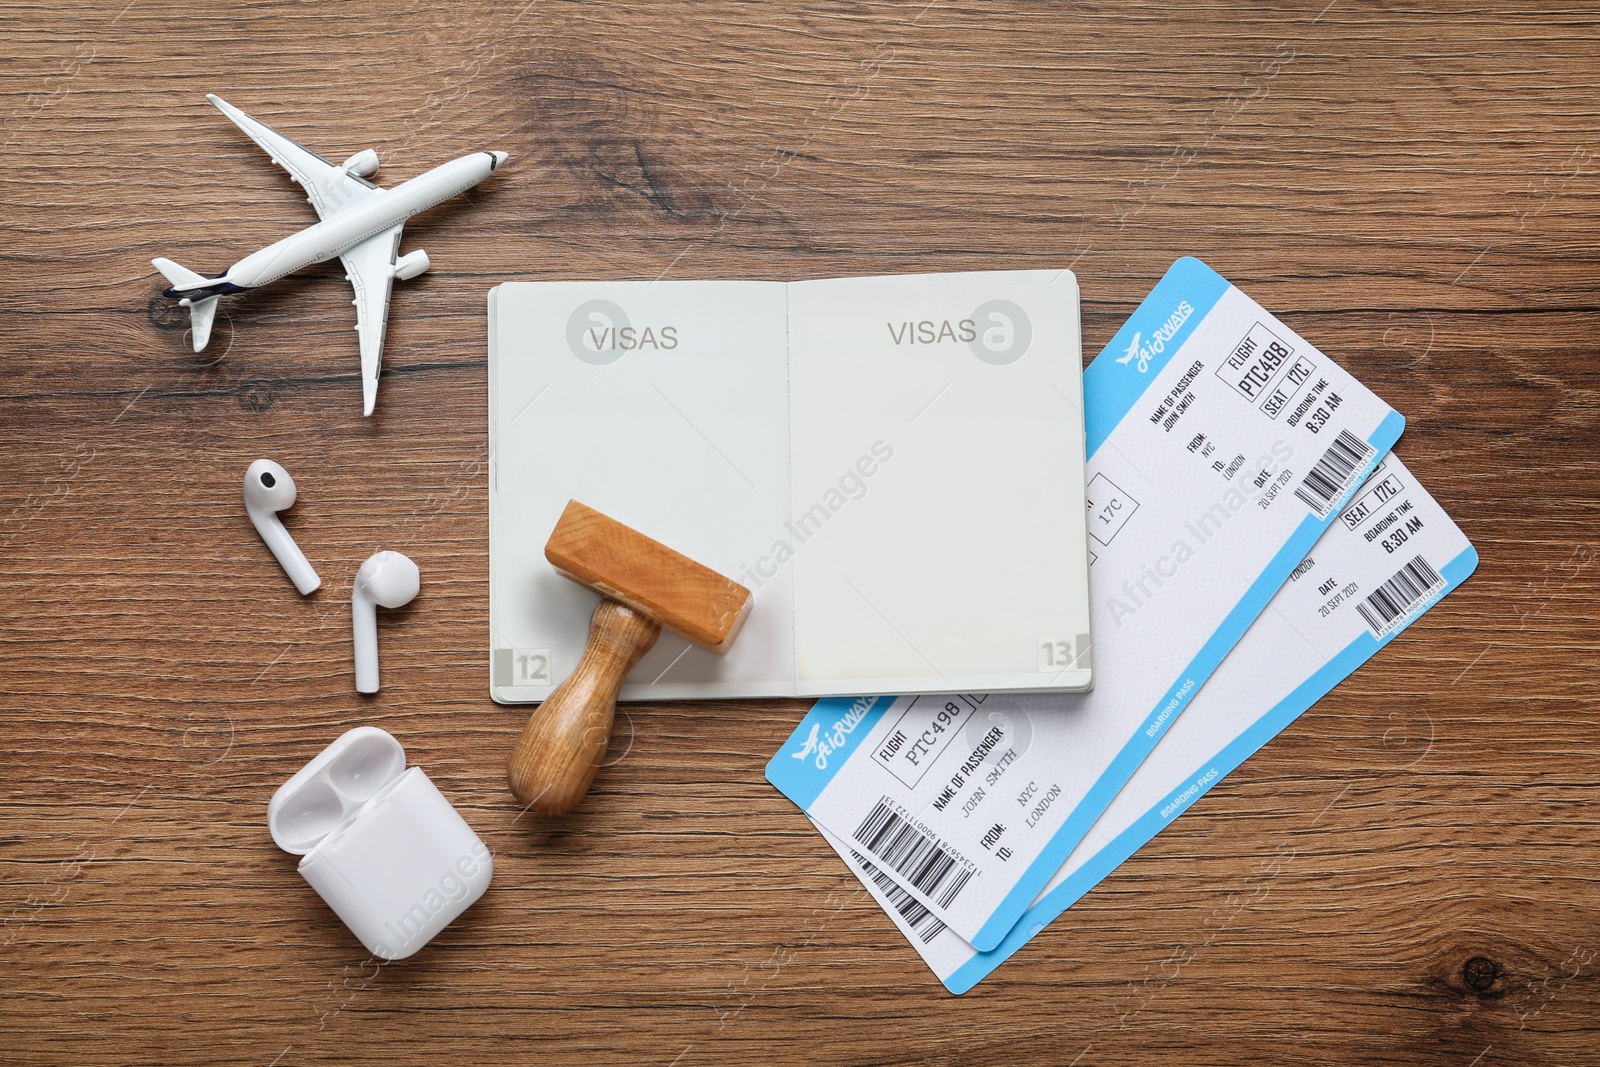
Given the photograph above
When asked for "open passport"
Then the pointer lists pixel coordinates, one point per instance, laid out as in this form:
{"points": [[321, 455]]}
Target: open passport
{"points": [[894, 466]]}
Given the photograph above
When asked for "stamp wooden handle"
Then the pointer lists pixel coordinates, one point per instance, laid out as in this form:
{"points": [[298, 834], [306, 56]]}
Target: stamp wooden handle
{"points": [[565, 740]]}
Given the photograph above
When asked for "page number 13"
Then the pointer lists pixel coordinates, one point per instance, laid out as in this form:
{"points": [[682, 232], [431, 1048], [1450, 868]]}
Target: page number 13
{"points": [[1055, 653]]}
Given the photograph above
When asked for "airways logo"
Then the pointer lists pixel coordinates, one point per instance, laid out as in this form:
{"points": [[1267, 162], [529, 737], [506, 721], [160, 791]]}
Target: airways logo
{"points": [[818, 745], [811, 743], [1146, 351], [1133, 350]]}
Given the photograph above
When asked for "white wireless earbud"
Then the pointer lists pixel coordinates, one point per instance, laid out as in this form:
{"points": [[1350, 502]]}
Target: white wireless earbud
{"points": [[268, 489], [387, 578]]}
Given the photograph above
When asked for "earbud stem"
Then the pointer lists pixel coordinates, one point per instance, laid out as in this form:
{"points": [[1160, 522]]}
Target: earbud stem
{"points": [[364, 622], [293, 561]]}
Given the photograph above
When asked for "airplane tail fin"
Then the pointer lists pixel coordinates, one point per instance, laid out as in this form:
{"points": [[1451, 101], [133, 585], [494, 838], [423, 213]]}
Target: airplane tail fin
{"points": [[202, 312], [180, 276]]}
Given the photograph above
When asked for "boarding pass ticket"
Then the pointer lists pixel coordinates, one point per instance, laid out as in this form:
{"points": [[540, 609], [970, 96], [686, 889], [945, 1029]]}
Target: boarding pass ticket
{"points": [[1220, 446], [1393, 554]]}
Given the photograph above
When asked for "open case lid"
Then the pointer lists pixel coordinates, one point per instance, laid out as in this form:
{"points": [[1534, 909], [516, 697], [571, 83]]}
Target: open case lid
{"points": [[333, 788]]}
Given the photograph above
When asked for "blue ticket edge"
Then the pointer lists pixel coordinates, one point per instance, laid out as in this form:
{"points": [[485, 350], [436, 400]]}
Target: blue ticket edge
{"points": [[1111, 389], [1247, 744]]}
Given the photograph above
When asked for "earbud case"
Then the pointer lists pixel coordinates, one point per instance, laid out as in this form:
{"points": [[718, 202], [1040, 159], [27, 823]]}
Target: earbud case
{"points": [[379, 842]]}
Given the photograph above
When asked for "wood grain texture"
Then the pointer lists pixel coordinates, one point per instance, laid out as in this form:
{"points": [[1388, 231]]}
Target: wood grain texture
{"points": [[1411, 186]]}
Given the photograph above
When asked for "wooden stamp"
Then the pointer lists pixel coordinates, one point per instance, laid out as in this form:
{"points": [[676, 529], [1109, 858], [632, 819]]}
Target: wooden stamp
{"points": [[645, 586]]}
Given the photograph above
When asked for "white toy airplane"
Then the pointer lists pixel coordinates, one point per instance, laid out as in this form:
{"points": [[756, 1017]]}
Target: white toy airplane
{"points": [[361, 224]]}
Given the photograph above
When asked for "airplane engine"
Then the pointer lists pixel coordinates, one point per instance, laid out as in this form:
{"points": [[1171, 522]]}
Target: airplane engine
{"points": [[363, 164], [410, 265]]}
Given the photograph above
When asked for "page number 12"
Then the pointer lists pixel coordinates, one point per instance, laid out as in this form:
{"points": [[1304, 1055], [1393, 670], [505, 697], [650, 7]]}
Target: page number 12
{"points": [[531, 666]]}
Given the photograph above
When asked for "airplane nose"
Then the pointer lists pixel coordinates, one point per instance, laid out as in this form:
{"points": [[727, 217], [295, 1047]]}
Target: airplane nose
{"points": [[497, 158]]}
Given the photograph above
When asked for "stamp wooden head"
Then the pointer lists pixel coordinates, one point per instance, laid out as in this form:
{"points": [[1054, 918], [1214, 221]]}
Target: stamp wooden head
{"points": [[645, 586]]}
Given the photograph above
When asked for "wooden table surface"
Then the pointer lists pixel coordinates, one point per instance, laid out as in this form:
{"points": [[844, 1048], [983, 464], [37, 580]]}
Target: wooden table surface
{"points": [[1407, 875]]}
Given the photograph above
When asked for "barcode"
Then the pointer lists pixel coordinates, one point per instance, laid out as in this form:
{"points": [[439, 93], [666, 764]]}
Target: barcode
{"points": [[1394, 598], [923, 922], [917, 857], [1331, 476]]}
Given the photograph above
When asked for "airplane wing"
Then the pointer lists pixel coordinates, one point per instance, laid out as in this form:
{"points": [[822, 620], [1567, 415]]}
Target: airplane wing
{"points": [[329, 188], [369, 267]]}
